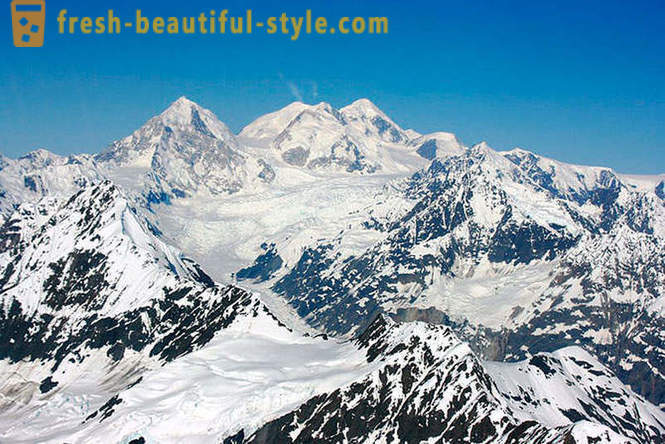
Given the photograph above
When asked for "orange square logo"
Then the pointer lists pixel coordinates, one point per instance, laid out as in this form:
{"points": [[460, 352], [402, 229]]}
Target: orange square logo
{"points": [[28, 17]]}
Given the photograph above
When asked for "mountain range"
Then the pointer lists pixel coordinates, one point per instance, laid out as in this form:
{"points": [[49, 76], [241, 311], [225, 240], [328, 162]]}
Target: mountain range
{"points": [[325, 275]]}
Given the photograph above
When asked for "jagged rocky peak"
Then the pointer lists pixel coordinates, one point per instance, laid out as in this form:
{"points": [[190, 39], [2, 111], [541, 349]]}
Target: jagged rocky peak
{"points": [[42, 173], [85, 280], [427, 385], [478, 163], [183, 151], [43, 159], [482, 148]]}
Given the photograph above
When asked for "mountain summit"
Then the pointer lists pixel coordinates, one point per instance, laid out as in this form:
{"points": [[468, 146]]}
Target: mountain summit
{"points": [[184, 119], [371, 121], [359, 138], [183, 151], [184, 113]]}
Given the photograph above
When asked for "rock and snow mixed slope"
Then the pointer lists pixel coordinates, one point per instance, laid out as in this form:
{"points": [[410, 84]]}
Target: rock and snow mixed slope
{"points": [[518, 253], [114, 336], [556, 254], [463, 213], [571, 385], [41, 173], [183, 151], [90, 299], [608, 294], [427, 386]]}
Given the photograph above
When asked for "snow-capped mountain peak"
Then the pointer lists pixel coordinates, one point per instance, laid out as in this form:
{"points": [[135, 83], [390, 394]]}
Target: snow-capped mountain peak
{"points": [[183, 151], [188, 114], [565, 180], [482, 148], [183, 119], [359, 138], [271, 125], [364, 109], [40, 158], [370, 120], [41, 173]]}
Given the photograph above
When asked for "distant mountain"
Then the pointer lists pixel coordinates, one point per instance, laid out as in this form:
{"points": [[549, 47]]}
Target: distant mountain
{"points": [[569, 182], [187, 151], [268, 126], [369, 120], [359, 138], [41, 173], [183, 151]]}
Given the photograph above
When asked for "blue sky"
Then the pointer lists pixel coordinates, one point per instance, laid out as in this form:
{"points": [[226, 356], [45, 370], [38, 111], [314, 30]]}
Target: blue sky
{"points": [[579, 81]]}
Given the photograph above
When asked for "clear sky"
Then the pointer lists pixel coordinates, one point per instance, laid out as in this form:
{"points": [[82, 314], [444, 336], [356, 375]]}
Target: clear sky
{"points": [[581, 81]]}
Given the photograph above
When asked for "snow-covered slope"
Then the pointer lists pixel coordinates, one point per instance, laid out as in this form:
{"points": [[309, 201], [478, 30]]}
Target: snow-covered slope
{"points": [[257, 381], [268, 126], [571, 385], [250, 372], [90, 299]]}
